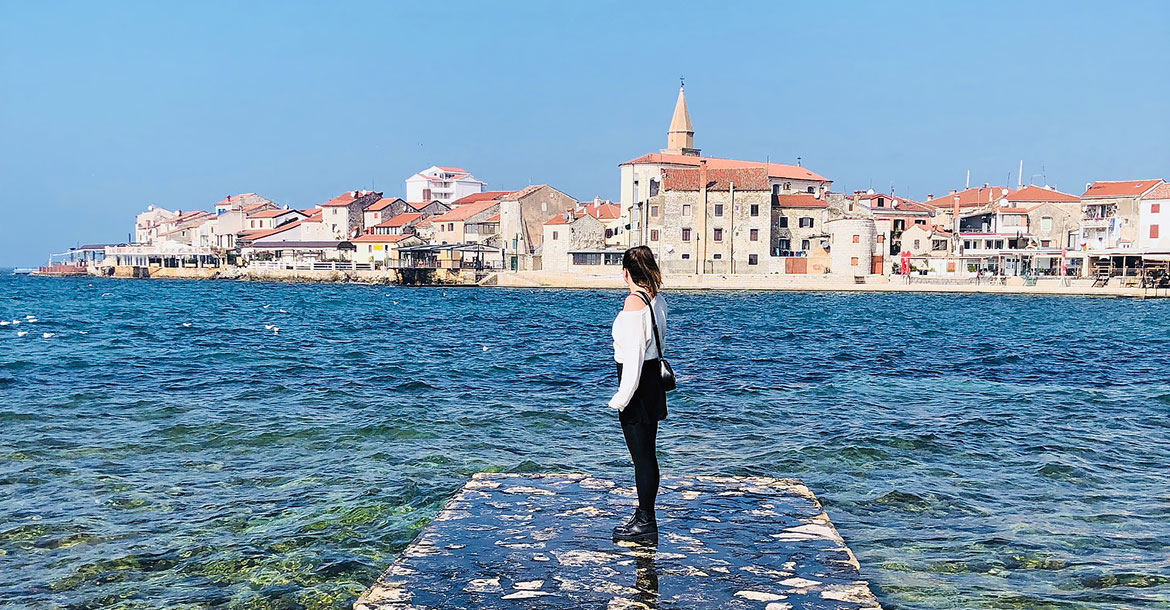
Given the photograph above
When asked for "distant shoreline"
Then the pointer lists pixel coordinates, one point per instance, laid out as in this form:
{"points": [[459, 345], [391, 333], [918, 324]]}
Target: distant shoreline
{"points": [[1079, 287]]}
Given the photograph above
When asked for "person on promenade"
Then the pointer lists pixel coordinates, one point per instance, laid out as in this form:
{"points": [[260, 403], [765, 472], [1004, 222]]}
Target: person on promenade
{"points": [[641, 397]]}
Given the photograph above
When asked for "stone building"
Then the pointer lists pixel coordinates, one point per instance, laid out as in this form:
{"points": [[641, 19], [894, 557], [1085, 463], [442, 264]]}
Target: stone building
{"points": [[711, 221], [461, 224], [342, 216], [641, 178], [522, 217], [568, 237]]}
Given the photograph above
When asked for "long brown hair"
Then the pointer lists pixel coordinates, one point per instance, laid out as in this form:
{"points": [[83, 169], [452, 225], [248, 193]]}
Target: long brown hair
{"points": [[639, 262]]}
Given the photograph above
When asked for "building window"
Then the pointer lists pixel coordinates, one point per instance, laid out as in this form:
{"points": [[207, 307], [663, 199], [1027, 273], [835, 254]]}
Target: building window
{"points": [[810, 189], [920, 222], [718, 209], [754, 235], [686, 209], [586, 258], [775, 189], [753, 259], [717, 256], [1155, 208], [544, 206], [450, 226], [938, 244], [608, 233], [686, 256], [917, 244], [718, 236], [755, 209], [1153, 231], [783, 222], [654, 211], [806, 222], [856, 239], [805, 245], [1045, 224], [686, 235], [881, 239], [653, 234], [554, 235], [881, 202], [1045, 243], [853, 261], [783, 244]]}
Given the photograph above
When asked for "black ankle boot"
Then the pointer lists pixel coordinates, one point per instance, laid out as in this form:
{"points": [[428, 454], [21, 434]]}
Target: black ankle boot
{"points": [[642, 527]]}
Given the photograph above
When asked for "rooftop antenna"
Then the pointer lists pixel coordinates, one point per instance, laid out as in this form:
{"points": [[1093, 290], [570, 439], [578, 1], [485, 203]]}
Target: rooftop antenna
{"points": [[1020, 180], [798, 161]]}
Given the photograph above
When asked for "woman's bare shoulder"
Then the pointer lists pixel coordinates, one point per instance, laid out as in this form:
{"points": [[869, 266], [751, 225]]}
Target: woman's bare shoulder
{"points": [[634, 303]]}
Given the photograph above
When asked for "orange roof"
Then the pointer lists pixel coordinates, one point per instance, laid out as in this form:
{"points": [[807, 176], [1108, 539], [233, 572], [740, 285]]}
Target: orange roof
{"points": [[274, 213], [464, 212], [447, 168], [282, 228], [1161, 192], [744, 179], [799, 200], [400, 220], [477, 197], [424, 223], [602, 211], [1124, 188], [495, 218], [382, 204], [1006, 210], [559, 219], [418, 205], [1039, 194], [344, 199], [775, 170], [968, 198], [231, 198], [381, 239]]}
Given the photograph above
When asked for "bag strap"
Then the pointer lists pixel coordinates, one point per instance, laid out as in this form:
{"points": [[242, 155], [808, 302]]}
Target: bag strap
{"points": [[653, 323]]}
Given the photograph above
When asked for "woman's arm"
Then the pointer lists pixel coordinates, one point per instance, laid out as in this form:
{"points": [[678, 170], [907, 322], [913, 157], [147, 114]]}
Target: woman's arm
{"points": [[630, 349]]}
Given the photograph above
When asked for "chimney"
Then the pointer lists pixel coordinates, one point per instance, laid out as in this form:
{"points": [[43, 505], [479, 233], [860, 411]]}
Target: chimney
{"points": [[929, 196], [703, 174], [355, 194]]}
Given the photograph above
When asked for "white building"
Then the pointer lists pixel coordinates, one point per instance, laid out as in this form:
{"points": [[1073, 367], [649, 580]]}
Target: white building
{"points": [[1154, 220], [445, 184], [148, 223]]}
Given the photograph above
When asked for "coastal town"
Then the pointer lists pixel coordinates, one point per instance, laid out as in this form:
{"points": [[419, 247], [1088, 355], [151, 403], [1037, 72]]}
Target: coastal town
{"points": [[711, 222]]}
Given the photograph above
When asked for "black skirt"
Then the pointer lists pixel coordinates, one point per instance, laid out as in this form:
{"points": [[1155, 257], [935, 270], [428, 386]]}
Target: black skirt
{"points": [[649, 402]]}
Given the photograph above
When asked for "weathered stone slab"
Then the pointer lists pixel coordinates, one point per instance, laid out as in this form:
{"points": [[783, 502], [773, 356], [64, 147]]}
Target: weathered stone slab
{"points": [[543, 541]]}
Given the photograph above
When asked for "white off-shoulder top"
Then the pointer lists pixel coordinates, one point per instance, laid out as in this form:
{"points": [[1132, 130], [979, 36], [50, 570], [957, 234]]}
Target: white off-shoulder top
{"points": [[633, 344]]}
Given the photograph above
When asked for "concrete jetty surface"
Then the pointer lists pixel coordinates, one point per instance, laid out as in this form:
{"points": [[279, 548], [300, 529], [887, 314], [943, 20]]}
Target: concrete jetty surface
{"points": [[543, 541]]}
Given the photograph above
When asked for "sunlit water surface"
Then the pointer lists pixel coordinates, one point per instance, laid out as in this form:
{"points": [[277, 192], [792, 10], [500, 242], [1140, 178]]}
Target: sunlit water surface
{"points": [[162, 448]]}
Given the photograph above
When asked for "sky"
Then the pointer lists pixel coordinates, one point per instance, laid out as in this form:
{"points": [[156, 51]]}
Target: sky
{"points": [[107, 107]]}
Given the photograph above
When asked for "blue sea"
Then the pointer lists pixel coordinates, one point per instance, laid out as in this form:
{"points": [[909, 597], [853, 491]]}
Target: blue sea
{"points": [[251, 445]]}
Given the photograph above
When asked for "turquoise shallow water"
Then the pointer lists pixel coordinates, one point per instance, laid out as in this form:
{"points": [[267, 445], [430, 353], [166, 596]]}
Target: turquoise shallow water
{"points": [[975, 451]]}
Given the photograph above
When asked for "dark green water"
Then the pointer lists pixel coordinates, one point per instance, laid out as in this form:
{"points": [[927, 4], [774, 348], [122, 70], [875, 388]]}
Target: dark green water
{"points": [[163, 449]]}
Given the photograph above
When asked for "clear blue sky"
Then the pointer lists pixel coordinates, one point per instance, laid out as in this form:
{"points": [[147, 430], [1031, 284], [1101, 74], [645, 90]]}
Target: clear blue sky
{"points": [[106, 107]]}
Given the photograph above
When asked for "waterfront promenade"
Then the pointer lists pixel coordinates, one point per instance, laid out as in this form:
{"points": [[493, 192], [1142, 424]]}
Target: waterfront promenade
{"points": [[793, 283]]}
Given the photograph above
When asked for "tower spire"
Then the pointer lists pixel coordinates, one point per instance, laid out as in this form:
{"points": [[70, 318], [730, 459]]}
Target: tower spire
{"points": [[680, 138]]}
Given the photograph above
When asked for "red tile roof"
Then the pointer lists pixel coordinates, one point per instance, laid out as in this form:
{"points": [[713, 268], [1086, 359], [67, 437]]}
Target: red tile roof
{"points": [[1007, 210], [254, 235], [559, 219], [381, 239], [477, 197], [1123, 188], [603, 211], [968, 198], [775, 170], [344, 199], [1039, 194], [418, 205], [466, 211], [1162, 191], [799, 200], [744, 179], [274, 213], [400, 220], [495, 218], [382, 204], [447, 168]]}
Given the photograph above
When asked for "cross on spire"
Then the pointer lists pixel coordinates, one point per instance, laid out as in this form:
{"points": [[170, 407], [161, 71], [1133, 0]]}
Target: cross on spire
{"points": [[681, 82]]}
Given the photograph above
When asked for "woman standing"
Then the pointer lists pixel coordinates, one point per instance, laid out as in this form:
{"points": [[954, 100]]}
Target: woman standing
{"points": [[641, 398]]}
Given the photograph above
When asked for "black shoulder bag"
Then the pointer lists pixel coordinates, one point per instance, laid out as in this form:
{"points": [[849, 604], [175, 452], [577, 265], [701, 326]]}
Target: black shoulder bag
{"points": [[667, 373]]}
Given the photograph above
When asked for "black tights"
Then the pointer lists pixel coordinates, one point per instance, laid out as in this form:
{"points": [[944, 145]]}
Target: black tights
{"points": [[640, 439]]}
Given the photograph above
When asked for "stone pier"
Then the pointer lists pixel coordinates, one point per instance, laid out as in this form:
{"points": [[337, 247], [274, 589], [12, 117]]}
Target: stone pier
{"points": [[543, 541]]}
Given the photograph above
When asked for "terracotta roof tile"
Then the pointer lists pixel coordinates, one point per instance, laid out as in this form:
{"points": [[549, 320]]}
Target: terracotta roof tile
{"points": [[381, 239], [1039, 194], [1123, 188], [744, 179], [400, 220], [968, 198], [476, 197], [1162, 191], [775, 170], [464, 212], [799, 200], [274, 213]]}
